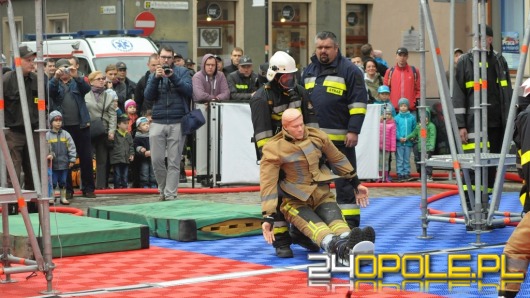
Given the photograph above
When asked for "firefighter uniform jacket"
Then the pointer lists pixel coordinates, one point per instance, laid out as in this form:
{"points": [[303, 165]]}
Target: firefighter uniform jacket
{"points": [[339, 95], [522, 143], [499, 91], [301, 163], [267, 106], [241, 87]]}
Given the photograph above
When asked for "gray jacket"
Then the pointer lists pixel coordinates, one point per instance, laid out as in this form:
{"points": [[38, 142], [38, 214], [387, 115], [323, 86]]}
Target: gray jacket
{"points": [[62, 148]]}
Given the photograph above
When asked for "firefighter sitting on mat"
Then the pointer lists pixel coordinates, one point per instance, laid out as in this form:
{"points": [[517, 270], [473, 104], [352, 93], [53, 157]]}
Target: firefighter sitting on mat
{"points": [[267, 105], [308, 202]]}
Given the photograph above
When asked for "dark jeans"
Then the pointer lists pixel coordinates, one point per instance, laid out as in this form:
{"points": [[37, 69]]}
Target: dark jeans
{"points": [[83, 147], [147, 176], [59, 178], [121, 175]]}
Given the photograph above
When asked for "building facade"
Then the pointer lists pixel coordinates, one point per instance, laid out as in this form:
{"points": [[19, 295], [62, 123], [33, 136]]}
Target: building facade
{"points": [[195, 28]]}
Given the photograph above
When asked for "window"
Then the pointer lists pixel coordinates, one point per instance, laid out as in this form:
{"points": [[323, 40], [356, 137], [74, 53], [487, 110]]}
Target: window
{"points": [[57, 23], [289, 30], [7, 37], [215, 27], [356, 29]]}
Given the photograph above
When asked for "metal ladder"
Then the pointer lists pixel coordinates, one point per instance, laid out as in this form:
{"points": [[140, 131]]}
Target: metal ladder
{"points": [[461, 163], [42, 262]]}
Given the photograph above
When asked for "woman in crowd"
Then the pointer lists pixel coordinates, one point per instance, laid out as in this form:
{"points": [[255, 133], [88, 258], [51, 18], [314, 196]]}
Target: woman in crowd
{"points": [[100, 104], [372, 78]]}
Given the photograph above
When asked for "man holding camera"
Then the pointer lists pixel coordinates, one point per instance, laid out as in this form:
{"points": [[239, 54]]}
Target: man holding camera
{"points": [[168, 89], [67, 95]]}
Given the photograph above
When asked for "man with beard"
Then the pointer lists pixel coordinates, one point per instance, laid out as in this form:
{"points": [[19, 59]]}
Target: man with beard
{"points": [[337, 91]]}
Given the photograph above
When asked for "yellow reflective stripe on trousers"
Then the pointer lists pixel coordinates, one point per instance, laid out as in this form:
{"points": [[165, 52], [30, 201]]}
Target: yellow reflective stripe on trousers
{"points": [[280, 230], [522, 198], [525, 158], [490, 189], [471, 146], [350, 212]]}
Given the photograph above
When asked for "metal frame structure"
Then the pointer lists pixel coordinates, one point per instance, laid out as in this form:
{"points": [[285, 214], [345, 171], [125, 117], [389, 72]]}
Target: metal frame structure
{"points": [[42, 262], [481, 215]]}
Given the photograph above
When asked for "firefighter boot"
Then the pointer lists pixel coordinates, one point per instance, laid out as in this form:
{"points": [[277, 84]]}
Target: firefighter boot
{"points": [[368, 234], [303, 240], [342, 246], [63, 199], [282, 244]]}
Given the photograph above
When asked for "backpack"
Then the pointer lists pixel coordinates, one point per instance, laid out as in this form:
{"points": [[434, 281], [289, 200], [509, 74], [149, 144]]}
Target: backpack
{"points": [[392, 71]]}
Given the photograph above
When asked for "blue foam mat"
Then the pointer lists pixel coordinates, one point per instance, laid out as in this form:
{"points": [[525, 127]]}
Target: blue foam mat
{"points": [[397, 223]]}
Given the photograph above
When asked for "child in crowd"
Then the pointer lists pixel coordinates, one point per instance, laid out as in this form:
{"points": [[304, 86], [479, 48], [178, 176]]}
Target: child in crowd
{"points": [[119, 112], [62, 153], [122, 153], [405, 124], [143, 154], [387, 133], [384, 99], [130, 110], [430, 142]]}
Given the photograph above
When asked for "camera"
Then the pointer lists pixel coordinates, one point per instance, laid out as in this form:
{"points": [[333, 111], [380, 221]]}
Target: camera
{"points": [[66, 70], [167, 69]]}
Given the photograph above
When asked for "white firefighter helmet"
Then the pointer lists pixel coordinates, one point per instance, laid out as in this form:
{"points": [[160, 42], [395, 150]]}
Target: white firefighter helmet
{"points": [[280, 62]]}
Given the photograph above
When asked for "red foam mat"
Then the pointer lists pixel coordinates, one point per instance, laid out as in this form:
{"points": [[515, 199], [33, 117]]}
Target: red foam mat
{"points": [[102, 273]]}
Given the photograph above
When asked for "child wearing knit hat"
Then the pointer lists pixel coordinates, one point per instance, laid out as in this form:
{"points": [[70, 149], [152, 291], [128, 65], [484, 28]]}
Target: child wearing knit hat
{"points": [[62, 153], [142, 151], [130, 111], [405, 124]]}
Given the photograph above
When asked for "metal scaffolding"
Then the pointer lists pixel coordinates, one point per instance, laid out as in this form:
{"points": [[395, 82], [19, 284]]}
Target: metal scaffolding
{"points": [[15, 194], [481, 215]]}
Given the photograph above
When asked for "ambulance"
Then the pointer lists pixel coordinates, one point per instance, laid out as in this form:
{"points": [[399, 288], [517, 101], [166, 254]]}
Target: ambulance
{"points": [[96, 49]]}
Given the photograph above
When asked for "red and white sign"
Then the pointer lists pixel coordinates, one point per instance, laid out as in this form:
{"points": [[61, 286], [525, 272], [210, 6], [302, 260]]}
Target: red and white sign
{"points": [[147, 21]]}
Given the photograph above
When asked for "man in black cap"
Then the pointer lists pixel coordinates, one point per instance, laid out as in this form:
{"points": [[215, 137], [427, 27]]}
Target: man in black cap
{"points": [[67, 95], [499, 94], [190, 65], [15, 135], [243, 83], [403, 80], [128, 87], [179, 60]]}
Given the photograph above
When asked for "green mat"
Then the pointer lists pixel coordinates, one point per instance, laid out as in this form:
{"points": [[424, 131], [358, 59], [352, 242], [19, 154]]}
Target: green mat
{"points": [[78, 235], [187, 220]]}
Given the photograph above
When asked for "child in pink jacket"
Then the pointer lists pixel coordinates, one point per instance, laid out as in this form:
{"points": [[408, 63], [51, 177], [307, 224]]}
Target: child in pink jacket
{"points": [[387, 133]]}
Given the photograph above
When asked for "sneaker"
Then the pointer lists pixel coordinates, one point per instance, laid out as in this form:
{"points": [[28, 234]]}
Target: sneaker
{"points": [[302, 240], [399, 178], [162, 197], [284, 252], [89, 194], [69, 195], [429, 179], [342, 246], [368, 234]]}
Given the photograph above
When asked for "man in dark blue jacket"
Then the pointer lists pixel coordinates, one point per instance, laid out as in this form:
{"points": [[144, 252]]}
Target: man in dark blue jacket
{"points": [[168, 89], [337, 90], [67, 95]]}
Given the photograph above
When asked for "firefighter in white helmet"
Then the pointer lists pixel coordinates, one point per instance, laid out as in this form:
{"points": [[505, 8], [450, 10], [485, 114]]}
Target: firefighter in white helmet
{"points": [[267, 106]]}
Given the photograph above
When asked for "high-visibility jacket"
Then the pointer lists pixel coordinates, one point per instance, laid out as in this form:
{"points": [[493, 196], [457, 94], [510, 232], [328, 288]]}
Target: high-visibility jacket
{"points": [[521, 137], [339, 95], [268, 104], [241, 87], [463, 94], [300, 161]]}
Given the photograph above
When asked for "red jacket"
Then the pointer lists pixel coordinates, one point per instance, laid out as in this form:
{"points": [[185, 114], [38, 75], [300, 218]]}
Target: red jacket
{"points": [[403, 84]]}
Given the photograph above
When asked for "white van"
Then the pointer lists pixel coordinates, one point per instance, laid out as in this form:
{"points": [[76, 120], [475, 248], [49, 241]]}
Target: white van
{"points": [[96, 49]]}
